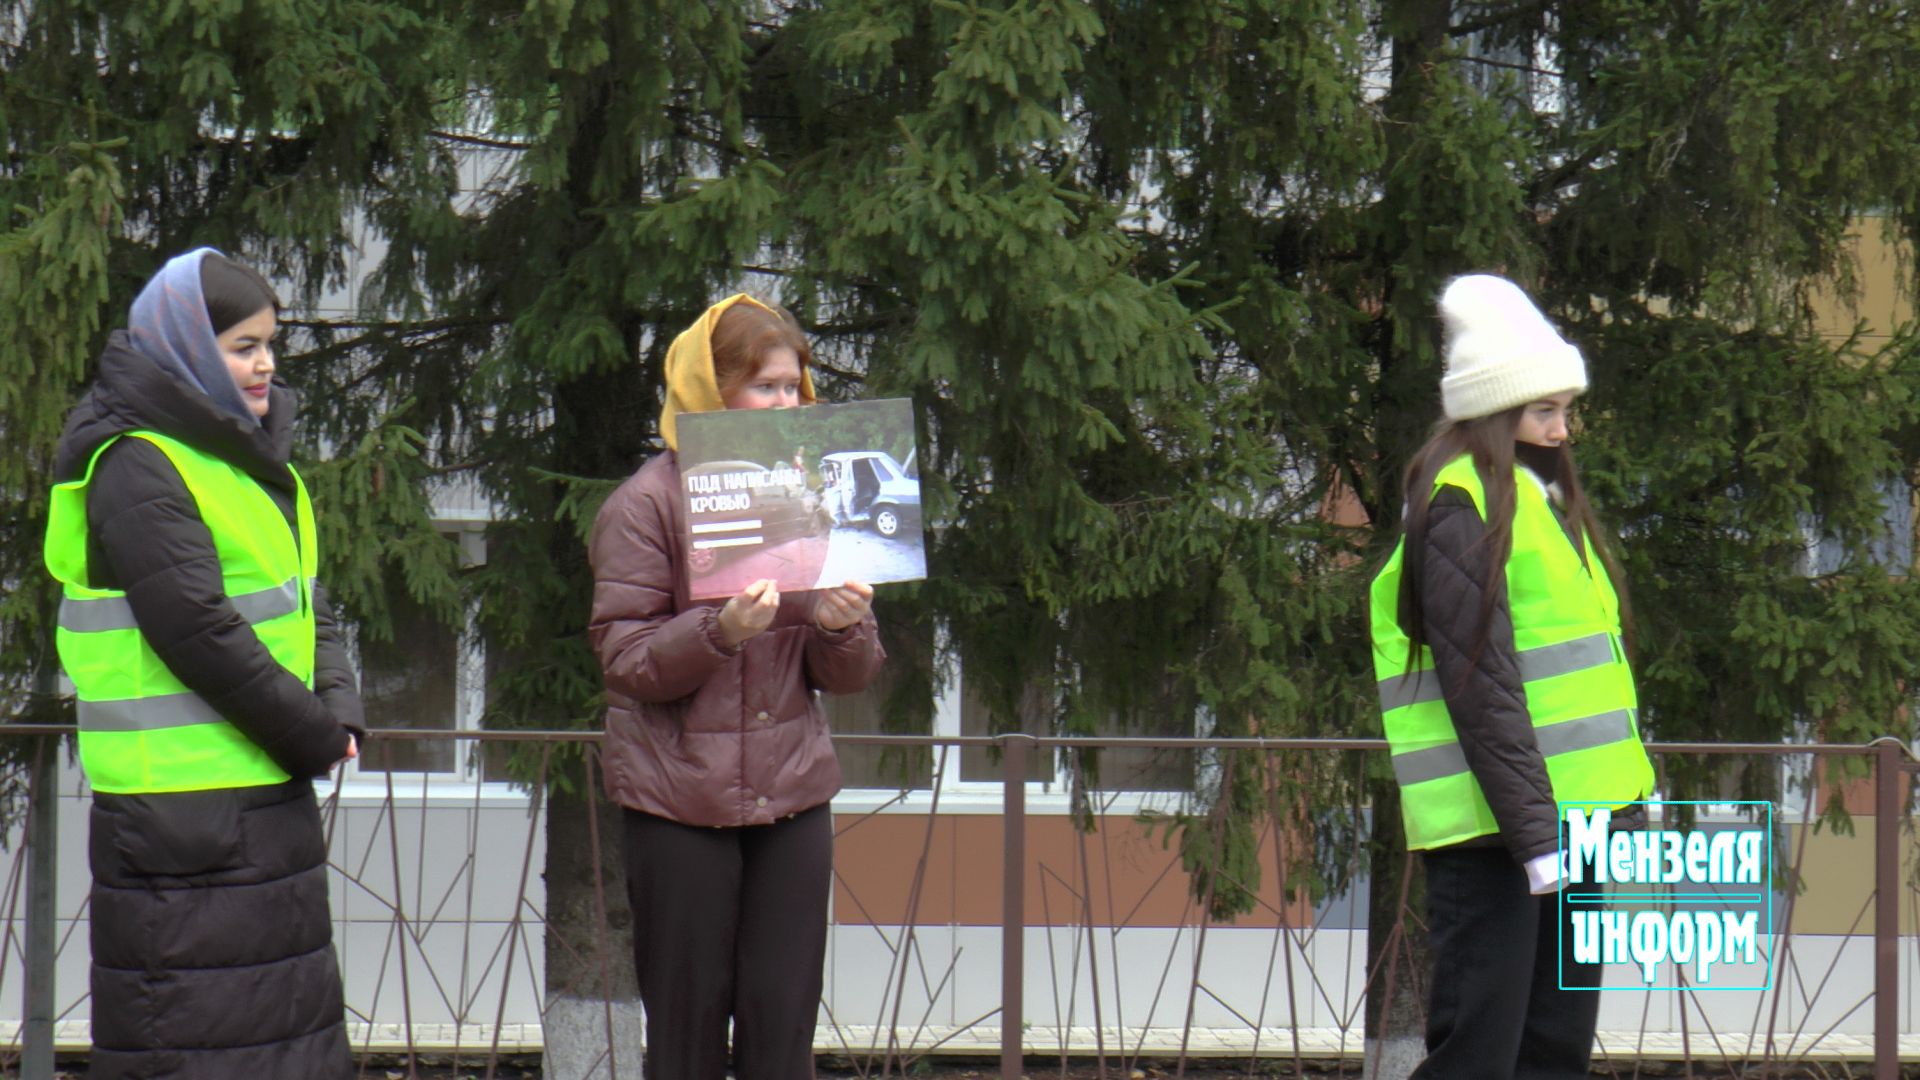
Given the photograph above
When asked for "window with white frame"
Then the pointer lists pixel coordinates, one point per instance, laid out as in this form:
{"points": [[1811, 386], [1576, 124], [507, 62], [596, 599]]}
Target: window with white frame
{"points": [[1890, 547], [425, 676], [900, 679], [410, 681], [1114, 769], [976, 773]]}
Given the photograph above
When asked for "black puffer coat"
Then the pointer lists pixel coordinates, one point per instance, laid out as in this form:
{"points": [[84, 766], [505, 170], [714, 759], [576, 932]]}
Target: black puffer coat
{"points": [[212, 943], [1485, 696]]}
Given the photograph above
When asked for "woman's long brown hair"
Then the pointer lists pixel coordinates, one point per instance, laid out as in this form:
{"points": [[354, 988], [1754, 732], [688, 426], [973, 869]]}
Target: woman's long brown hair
{"points": [[1490, 439]]}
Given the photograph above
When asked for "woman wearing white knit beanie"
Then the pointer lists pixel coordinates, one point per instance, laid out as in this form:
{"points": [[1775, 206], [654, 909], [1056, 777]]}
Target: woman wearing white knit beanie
{"points": [[1501, 352], [1505, 690]]}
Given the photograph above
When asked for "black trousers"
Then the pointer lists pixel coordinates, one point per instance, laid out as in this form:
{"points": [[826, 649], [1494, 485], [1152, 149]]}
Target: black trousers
{"points": [[1496, 1010], [730, 924]]}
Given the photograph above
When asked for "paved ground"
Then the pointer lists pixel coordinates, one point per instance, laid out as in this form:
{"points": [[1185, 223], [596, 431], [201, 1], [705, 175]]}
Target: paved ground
{"points": [[1080, 1069], [973, 1054], [861, 554], [528, 1068]]}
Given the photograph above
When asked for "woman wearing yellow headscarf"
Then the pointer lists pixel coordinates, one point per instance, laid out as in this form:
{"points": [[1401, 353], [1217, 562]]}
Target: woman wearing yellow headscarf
{"points": [[717, 744]]}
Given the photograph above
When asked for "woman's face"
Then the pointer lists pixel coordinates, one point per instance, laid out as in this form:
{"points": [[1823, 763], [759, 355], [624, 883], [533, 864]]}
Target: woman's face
{"points": [[1544, 422], [247, 347], [775, 386]]}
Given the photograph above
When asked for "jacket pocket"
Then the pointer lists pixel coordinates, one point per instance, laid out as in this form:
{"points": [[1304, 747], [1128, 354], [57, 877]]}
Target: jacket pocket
{"points": [[179, 834]]}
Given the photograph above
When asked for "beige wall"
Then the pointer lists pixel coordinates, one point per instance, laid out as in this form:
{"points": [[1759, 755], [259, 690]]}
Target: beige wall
{"points": [[1136, 881], [1879, 301], [1838, 870]]}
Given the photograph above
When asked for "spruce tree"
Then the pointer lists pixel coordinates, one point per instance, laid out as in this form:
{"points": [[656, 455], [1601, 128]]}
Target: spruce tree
{"points": [[1158, 277]]}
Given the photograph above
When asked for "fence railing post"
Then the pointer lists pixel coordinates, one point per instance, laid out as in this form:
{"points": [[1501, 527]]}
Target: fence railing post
{"points": [[1013, 906], [43, 844], [1886, 909]]}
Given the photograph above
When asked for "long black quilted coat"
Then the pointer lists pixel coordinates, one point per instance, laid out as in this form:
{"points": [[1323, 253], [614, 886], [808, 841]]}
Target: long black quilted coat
{"points": [[212, 945]]}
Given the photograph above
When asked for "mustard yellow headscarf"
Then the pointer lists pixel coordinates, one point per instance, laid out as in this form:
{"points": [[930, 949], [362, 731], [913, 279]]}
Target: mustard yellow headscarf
{"points": [[691, 386]]}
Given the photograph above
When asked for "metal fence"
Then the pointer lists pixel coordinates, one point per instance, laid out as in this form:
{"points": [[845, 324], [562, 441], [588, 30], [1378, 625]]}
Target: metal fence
{"points": [[1096, 947]]}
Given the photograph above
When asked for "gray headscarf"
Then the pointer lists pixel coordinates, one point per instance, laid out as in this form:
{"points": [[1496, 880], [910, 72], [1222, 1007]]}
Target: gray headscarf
{"points": [[170, 326]]}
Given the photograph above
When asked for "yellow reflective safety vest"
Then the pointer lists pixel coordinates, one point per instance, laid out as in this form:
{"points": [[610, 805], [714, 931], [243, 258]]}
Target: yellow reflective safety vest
{"points": [[1579, 689], [141, 729]]}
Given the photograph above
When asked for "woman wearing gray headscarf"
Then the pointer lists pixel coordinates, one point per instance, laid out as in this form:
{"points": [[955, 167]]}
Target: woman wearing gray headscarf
{"points": [[212, 690]]}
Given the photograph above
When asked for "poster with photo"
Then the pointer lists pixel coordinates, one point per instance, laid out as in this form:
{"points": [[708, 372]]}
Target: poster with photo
{"points": [[810, 497]]}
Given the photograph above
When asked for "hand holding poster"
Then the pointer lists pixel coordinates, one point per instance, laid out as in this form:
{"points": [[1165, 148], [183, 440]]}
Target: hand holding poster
{"points": [[810, 498]]}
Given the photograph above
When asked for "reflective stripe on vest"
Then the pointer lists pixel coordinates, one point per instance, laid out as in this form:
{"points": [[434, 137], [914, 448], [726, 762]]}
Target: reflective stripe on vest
{"points": [[1539, 662], [141, 729], [1439, 762], [1579, 690], [147, 714], [114, 613]]}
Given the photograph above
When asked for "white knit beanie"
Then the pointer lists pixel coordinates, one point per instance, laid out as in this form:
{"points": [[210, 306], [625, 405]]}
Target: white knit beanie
{"points": [[1501, 352]]}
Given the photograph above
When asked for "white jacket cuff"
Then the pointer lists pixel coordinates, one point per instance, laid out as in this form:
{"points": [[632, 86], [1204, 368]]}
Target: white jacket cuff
{"points": [[1543, 874]]}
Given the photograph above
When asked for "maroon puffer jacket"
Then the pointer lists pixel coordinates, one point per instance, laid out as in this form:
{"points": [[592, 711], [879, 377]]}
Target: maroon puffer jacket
{"points": [[698, 732]]}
